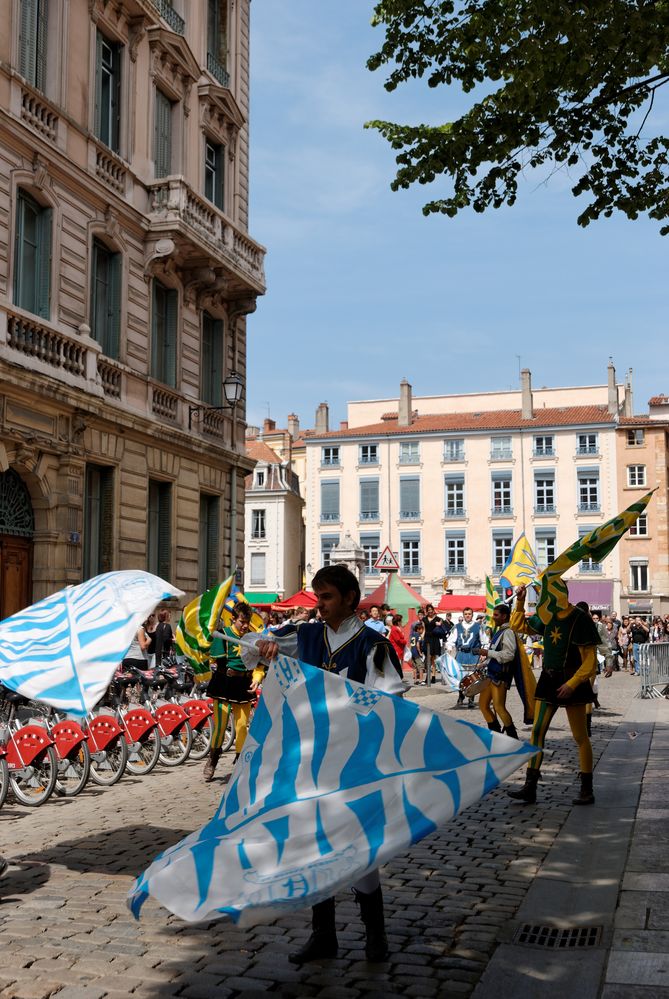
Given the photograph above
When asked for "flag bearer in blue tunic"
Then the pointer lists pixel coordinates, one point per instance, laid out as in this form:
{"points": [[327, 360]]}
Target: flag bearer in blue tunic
{"points": [[341, 643]]}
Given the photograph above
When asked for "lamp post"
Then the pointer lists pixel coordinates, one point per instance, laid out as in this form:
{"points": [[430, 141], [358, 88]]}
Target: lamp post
{"points": [[233, 386]]}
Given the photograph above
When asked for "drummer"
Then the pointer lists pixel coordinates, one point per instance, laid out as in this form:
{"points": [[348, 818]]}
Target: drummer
{"points": [[502, 658], [464, 638]]}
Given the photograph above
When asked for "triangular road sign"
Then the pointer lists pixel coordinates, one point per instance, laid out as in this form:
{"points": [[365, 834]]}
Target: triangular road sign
{"points": [[387, 561]]}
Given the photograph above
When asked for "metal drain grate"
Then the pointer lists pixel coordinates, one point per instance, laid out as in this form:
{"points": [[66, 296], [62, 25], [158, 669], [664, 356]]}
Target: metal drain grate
{"points": [[575, 938]]}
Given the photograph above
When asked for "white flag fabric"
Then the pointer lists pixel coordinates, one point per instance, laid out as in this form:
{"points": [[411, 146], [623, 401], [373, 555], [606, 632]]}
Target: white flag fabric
{"points": [[64, 649], [334, 779], [451, 671]]}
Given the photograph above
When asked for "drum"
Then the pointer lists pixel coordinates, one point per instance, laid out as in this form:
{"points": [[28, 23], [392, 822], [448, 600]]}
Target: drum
{"points": [[474, 682]]}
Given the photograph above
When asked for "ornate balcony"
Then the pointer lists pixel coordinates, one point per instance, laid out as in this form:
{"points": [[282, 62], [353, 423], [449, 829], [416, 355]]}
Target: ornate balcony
{"points": [[41, 346], [170, 16], [218, 70]]}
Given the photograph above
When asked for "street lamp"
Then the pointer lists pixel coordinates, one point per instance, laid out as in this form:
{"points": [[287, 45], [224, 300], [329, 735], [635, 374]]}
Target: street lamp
{"points": [[233, 386]]}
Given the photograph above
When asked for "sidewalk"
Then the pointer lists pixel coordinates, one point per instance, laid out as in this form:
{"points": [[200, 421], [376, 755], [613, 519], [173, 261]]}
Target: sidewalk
{"points": [[605, 881]]}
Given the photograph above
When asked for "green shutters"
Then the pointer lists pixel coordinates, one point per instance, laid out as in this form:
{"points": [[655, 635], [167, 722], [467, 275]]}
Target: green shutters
{"points": [[217, 29], [209, 541], [106, 298], [108, 92], [33, 42], [98, 521], [159, 541], [165, 304], [32, 258], [162, 144], [214, 173], [212, 360]]}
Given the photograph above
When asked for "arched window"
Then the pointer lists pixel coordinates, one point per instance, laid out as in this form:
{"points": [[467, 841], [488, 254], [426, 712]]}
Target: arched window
{"points": [[16, 510]]}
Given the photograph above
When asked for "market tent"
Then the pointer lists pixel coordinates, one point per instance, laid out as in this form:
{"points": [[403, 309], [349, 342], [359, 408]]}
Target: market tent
{"points": [[301, 599], [397, 594], [456, 604]]}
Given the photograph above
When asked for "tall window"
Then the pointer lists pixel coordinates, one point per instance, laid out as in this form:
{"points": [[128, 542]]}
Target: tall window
{"points": [[162, 141], [410, 554], [106, 298], [209, 571], [409, 498], [371, 546], [639, 578], [454, 499], [454, 449], [258, 570], [164, 334], [214, 173], [329, 500], [639, 528], [258, 531], [500, 449], [159, 546], [328, 542], [369, 499], [211, 374], [502, 542], [98, 553], [636, 475], [456, 564], [369, 454], [588, 490], [409, 452], [587, 444], [501, 494], [108, 92], [330, 456], [544, 445], [32, 259], [217, 39], [636, 438], [544, 492], [33, 41], [587, 564], [545, 546]]}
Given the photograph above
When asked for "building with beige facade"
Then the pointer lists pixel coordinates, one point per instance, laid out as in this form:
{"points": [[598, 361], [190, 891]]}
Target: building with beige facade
{"points": [[449, 482], [126, 276]]}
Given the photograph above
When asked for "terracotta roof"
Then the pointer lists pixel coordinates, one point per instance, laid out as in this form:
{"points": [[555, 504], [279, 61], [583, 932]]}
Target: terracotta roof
{"points": [[658, 400], [501, 419], [259, 451]]}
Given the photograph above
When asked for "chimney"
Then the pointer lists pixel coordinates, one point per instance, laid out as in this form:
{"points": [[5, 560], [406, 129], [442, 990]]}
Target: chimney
{"points": [[628, 401], [293, 425], [613, 390], [322, 419], [343, 424], [527, 409], [404, 412], [268, 425]]}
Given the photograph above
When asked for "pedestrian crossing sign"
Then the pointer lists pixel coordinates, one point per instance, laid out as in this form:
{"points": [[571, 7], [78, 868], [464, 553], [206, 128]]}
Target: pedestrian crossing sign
{"points": [[387, 561]]}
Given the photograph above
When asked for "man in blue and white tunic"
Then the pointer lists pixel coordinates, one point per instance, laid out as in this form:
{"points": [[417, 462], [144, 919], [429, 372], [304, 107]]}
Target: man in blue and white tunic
{"points": [[465, 640]]}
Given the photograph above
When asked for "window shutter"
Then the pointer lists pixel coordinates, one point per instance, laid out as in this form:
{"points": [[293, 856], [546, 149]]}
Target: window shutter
{"points": [[28, 40], [219, 199], [106, 521], [369, 496], [42, 13], [409, 496], [330, 500], [212, 540], [164, 531], [170, 348], [163, 135], [115, 123], [113, 337], [19, 265], [155, 327], [98, 85], [43, 276]]}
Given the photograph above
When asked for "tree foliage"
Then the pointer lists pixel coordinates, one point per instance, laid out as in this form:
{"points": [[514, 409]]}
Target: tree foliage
{"points": [[553, 82]]}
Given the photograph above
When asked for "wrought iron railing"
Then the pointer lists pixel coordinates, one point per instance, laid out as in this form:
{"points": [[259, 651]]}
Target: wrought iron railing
{"points": [[218, 70], [168, 13]]}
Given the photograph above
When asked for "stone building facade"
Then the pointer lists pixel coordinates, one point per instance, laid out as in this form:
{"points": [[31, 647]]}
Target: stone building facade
{"points": [[126, 276]]}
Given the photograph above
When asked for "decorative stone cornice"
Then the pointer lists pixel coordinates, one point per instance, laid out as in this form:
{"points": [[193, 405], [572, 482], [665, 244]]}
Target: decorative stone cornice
{"points": [[220, 113], [173, 65]]}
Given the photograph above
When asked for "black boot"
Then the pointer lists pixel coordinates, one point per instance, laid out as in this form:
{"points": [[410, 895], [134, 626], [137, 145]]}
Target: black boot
{"points": [[585, 797], [494, 726], [528, 792], [210, 765], [371, 913], [510, 730], [322, 943]]}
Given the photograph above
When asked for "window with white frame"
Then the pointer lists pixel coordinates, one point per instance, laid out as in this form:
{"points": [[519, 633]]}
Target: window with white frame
{"points": [[544, 445], [330, 500], [501, 494], [454, 449], [636, 475], [371, 546], [369, 499], [409, 498], [588, 490], [587, 564], [456, 556], [259, 478], [410, 554], [454, 495], [545, 546], [502, 542], [258, 570], [258, 530], [328, 542], [636, 437], [368, 454], [500, 449], [409, 452], [544, 492], [330, 456], [639, 577], [587, 444], [639, 528]]}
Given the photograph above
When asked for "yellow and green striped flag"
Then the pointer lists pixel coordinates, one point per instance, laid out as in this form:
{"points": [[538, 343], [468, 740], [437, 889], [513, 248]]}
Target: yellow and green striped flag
{"points": [[596, 546], [198, 620], [237, 597], [490, 601]]}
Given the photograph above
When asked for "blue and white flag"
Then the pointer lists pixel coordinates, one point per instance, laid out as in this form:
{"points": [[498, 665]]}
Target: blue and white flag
{"points": [[64, 649], [451, 671], [334, 779]]}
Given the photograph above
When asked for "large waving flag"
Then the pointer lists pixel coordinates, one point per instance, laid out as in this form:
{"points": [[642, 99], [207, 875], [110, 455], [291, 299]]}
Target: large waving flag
{"points": [[200, 618], [64, 649], [237, 597], [490, 601], [521, 566], [451, 671], [596, 546], [334, 779]]}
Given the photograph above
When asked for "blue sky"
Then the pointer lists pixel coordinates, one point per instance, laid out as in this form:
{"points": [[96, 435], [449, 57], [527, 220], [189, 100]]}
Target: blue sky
{"points": [[363, 290]]}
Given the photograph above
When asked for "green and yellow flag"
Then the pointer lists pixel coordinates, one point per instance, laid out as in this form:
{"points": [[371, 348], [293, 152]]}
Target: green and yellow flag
{"points": [[596, 546], [490, 601], [237, 597], [198, 620]]}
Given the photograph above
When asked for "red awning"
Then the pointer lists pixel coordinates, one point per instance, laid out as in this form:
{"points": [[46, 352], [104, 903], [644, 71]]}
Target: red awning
{"points": [[456, 604], [301, 599]]}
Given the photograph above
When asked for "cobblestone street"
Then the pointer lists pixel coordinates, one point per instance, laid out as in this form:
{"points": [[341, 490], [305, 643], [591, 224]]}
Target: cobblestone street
{"points": [[65, 930]]}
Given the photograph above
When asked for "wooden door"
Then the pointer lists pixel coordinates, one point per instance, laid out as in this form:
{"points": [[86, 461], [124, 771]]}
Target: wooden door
{"points": [[16, 556]]}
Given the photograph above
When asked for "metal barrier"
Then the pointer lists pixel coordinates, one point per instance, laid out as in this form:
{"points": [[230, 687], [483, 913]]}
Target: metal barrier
{"points": [[654, 668]]}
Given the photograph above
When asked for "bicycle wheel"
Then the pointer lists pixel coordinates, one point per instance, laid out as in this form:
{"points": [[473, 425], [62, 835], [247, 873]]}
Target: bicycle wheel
{"points": [[4, 780], [36, 785], [201, 740], [144, 757], [73, 772], [108, 766], [175, 748]]}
